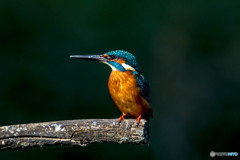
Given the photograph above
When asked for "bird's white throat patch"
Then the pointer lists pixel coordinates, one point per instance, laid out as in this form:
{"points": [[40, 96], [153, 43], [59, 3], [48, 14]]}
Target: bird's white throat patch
{"points": [[113, 68], [127, 67]]}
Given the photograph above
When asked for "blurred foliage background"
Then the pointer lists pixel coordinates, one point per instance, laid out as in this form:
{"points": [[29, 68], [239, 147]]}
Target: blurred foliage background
{"points": [[188, 51]]}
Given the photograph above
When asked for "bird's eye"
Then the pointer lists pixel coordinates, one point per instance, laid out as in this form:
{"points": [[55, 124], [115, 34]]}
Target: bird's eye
{"points": [[112, 56]]}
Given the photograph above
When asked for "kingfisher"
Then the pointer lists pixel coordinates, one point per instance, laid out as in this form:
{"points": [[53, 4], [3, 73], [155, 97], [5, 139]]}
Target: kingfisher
{"points": [[128, 88]]}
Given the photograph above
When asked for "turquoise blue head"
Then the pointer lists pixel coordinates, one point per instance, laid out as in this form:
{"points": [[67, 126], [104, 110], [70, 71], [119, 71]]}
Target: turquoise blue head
{"points": [[117, 60]]}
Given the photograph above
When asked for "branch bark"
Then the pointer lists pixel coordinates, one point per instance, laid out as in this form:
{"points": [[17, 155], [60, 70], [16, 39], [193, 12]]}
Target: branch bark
{"points": [[73, 132]]}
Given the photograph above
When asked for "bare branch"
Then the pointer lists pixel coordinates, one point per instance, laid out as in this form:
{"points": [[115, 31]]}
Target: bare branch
{"points": [[73, 132]]}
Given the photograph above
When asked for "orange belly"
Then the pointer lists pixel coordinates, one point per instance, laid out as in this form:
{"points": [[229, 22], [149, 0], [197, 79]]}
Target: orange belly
{"points": [[127, 96]]}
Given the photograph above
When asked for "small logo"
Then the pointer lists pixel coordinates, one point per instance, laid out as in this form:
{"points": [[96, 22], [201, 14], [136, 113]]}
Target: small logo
{"points": [[213, 154]]}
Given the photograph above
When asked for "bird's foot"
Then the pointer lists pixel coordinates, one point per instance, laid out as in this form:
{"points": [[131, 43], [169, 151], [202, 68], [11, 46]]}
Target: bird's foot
{"points": [[121, 118], [138, 119]]}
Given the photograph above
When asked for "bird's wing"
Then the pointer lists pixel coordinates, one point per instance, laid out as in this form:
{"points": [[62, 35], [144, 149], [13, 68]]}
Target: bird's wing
{"points": [[143, 84]]}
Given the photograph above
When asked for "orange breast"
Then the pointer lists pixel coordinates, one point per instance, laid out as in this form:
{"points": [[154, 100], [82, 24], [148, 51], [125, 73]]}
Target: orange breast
{"points": [[126, 95]]}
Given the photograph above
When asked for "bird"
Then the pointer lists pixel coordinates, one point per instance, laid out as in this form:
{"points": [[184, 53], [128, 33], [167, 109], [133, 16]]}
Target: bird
{"points": [[127, 86]]}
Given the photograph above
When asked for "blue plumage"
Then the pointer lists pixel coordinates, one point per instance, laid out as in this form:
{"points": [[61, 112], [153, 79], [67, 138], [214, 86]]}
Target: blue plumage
{"points": [[117, 66], [143, 84], [127, 56]]}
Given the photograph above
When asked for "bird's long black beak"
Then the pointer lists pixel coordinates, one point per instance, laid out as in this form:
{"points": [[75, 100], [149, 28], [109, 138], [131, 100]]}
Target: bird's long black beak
{"points": [[100, 58]]}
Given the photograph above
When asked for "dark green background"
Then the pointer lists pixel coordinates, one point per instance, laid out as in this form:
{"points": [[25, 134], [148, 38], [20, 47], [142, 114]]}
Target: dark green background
{"points": [[189, 51]]}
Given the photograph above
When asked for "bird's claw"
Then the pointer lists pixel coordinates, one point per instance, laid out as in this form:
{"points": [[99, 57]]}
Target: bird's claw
{"points": [[138, 119], [121, 118]]}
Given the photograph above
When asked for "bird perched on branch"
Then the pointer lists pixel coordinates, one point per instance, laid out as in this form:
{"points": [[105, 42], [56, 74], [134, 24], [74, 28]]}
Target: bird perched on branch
{"points": [[128, 88]]}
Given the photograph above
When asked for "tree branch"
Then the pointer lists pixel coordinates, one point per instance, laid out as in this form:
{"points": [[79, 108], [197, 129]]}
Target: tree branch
{"points": [[73, 132]]}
